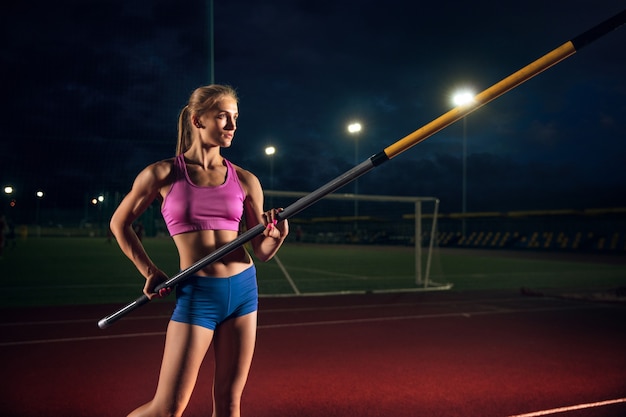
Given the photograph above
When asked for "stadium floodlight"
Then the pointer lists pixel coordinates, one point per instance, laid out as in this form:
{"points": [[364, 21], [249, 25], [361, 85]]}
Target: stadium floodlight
{"points": [[463, 97], [354, 127]]}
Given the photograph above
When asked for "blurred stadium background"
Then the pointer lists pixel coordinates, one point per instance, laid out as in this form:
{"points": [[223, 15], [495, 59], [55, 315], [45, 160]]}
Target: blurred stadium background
{"points": [[339, 245], [347, 221]]}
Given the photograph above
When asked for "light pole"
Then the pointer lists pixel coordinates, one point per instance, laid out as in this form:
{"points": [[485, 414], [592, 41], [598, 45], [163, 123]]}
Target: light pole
{"points": [[270, 151], [9, 190], [463, 98], [39, 194], [354, 129], [97, 203]]}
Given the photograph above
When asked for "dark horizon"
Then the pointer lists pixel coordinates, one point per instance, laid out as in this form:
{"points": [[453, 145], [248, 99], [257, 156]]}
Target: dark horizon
{"points": [[94, 94]]}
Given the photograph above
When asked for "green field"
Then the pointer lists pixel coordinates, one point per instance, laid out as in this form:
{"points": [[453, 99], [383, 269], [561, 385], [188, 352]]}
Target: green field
{"points": [[66, 271]]}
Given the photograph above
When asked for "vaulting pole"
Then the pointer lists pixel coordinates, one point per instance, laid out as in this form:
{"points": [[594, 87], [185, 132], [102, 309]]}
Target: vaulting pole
{"points": [[536, 67]]}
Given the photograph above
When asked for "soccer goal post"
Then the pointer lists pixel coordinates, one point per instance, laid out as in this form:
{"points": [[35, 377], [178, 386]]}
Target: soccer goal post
{"points": [[373, 221]]}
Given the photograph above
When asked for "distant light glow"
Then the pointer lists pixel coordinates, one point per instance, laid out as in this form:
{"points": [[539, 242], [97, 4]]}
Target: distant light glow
{"points": [[8, 189], [354, 127], [270, 150], [39, 194], [462, 98]]}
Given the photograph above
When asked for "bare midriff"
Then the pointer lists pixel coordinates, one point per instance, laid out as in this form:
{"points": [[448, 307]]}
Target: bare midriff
{"points": [[194, 246]]}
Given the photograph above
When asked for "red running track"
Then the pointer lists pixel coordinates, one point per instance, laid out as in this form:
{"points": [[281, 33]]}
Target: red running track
{"points": [[393, 355]]}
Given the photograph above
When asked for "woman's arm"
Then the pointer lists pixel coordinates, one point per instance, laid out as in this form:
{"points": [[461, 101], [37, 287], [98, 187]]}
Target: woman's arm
{"points": [[144, 191], [267, 244]]}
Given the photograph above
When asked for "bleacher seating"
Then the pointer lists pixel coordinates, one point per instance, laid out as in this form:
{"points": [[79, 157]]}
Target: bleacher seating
{"points": [[536, 240]]}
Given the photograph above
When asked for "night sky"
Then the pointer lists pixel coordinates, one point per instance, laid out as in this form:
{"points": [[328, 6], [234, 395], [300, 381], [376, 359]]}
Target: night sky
{"points": [[92, 90]]}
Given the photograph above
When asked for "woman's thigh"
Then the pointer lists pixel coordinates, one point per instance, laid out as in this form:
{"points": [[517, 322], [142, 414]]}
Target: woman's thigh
{"points": [[234, 344], [185, 348]]}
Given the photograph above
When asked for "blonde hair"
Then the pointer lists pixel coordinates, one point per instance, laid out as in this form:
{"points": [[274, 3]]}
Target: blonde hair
{"points": [[201, 100]]}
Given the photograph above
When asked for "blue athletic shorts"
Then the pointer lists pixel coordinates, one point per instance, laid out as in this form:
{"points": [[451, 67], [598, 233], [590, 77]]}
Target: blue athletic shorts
{"points": [[208, 302]]}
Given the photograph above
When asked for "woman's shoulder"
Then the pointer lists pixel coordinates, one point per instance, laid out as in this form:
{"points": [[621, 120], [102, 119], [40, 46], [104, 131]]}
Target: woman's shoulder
{"points": [[247, 179], [243, 174], [164, 166], [159, 171]]}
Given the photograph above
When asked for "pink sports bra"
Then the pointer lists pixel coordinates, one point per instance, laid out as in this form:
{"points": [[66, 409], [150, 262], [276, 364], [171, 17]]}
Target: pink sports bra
{"points": [[188, 207]]}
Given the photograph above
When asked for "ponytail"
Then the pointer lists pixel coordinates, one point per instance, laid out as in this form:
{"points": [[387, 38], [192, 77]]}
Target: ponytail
{"points": [[184, 131]]}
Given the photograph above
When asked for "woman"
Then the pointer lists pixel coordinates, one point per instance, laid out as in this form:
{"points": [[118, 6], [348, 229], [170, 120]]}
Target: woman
{"points": [[203, 199]]}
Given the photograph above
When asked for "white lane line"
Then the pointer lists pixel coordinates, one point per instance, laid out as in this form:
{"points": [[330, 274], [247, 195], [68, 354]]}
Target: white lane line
{"points": [[571, 408], [301, 324], [267, 311], [80, 339], [76, 321]]}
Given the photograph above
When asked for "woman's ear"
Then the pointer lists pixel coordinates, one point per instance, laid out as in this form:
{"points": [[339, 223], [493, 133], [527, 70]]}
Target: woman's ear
{"points": [[196, 122]]}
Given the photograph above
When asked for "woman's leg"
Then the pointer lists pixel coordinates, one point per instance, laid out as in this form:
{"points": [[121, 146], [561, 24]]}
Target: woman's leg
{"points": [[234, 348], [185, 348]]}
